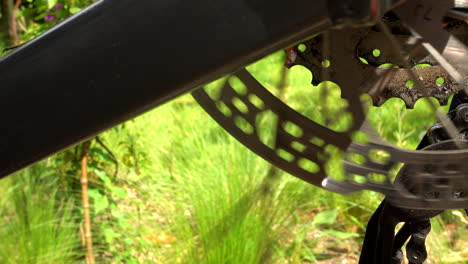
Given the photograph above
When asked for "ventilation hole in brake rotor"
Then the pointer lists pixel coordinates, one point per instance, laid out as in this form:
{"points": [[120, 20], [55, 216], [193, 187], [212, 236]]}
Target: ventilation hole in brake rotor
{"points": [[363, 60], [326, 63], [377, 177], [292, 129], [237, 85], [387, 66], [257, 102], [429, 168], [298, 146], [442, 182], [452, 168], [285, 155], [308, 165], [356, 158], [409, 84], [223, 108], [379, 156], [317, 141], [440, 81], [302, 47], [422, 65], [357, 178], [360, 137], [241, 106], [243, 125], [376, 52]]}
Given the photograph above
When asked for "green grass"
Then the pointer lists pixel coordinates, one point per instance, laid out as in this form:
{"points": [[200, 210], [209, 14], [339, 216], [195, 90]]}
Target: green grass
{"points": [[38, 227], [196, 195], [210, 185]]}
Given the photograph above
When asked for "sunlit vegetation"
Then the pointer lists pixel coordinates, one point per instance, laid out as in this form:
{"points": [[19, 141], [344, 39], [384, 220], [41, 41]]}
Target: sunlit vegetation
{"points": [[172, 187]]}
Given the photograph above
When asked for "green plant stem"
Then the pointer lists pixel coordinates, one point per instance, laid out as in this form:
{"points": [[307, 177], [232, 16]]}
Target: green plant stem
{"points": [[84, 192]]}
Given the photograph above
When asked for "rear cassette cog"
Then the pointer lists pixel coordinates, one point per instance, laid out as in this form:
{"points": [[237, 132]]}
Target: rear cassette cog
{"points": [[301, 146], [373, 52]]}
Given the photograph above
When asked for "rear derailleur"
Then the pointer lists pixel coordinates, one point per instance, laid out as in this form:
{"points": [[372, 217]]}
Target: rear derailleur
{"points": [[381, 245]]}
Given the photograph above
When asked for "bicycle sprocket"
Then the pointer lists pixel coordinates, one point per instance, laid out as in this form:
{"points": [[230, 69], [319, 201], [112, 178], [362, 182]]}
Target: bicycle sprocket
{"points": [[413, 33]]}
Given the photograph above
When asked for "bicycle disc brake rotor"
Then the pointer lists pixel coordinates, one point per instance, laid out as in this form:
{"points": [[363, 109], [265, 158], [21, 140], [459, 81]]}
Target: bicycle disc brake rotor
{"points": [[304, 148]]}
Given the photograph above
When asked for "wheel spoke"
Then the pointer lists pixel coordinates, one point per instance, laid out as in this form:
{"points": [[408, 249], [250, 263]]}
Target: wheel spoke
{"points": [[460, 15], [325, 74]]}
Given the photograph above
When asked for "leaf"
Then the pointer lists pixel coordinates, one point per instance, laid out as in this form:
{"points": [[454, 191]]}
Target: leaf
{"points": [[117, 214], [110, 235], [104, 177], [128, 241], [326, 217], [308, 255], [100, 201], [119, 192], [40, 17], [74, 10], [51, 3], [101, 204], [94, 193], [120, 217], [338, 234], [101, 174]]}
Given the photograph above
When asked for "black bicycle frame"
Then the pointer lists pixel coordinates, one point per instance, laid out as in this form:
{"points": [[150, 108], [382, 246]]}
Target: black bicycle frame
{"points": [[120, 58]]}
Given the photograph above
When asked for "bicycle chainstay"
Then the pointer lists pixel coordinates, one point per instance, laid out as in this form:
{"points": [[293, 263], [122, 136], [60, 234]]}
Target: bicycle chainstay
{"points": [[304, 150]]}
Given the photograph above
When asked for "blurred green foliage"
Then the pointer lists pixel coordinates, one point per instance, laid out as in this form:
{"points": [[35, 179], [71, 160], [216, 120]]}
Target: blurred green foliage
{"points": [[172, 187]]}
